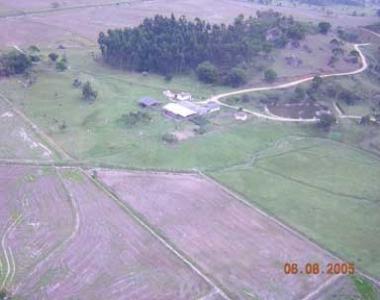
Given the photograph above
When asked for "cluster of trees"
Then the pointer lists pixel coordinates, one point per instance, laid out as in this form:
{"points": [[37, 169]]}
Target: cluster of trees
{"points": [[167, 45], [14, 62], [60, 64]]}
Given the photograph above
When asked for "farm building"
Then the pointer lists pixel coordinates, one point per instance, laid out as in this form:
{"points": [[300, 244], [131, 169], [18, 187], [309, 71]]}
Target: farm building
{"points": [[176, 110], [201, 109], [169, 94], [148, 102], [241, 116], [184, 96]]}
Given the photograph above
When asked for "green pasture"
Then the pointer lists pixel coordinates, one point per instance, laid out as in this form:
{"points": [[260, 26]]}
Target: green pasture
{"points": [[326, 190], [309, 179]]}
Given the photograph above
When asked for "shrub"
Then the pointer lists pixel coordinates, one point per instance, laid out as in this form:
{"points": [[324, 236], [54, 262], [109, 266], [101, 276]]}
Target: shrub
{"points": [[133, 118], [270, 75], [324, 27], [53, 56], [61, 65], [170, 138], [88, 93], [77, 83]]}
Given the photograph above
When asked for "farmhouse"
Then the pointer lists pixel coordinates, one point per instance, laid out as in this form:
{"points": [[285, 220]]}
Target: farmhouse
{"points": [[176, 110], [148, 102]]}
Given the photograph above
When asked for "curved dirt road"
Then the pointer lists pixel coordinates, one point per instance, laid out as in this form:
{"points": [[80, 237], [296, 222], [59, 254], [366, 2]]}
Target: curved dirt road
{"points": [[364, 66]]}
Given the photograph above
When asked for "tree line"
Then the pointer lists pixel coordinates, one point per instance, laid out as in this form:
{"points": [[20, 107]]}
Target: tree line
{"points": [[170, 45]]}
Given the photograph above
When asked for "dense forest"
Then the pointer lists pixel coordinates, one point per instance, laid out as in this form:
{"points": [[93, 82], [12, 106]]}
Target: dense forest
{"points": [[170, 45]]}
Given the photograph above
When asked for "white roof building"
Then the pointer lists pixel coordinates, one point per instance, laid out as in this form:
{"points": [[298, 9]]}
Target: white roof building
{"points": [[184, 96], [178, 110]]}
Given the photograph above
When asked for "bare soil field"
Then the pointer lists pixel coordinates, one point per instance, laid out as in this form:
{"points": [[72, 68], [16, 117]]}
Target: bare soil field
{"points": [[27, 5], [240, 247], [17, 140], [87, 22], [35, 218], [64, 239]]}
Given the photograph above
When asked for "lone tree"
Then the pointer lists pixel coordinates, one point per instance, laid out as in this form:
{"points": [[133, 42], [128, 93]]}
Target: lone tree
{"points": [[207, 72], [61, 65], [270, 75], [88, 93], [53, 56], [324, 27]]}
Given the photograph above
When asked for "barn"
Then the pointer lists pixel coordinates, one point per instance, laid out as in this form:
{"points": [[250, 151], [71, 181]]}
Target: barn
{"points": [[178, 111]]}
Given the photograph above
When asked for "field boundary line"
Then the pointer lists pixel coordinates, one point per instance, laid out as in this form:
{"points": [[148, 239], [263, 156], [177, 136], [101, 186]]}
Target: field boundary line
{"points": [[40, 133], [284, 225], [178, 253], [316, 187], [322, 287]]}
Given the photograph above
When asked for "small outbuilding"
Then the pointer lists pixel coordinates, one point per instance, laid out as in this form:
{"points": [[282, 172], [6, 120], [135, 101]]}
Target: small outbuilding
{"points": [[241, 116], [176, 110], [184, 97], [148, 102]]}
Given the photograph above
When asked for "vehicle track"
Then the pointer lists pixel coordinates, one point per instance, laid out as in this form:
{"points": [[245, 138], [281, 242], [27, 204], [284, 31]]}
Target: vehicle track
{"points": [[8, 255]]}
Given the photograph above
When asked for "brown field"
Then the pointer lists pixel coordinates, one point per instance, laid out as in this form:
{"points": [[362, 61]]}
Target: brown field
{"points": [[64, 239], [87, 22], [240, 247]]}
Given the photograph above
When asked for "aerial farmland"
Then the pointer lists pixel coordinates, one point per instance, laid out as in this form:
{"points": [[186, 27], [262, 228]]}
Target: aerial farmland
{"points": [[213, 150]]}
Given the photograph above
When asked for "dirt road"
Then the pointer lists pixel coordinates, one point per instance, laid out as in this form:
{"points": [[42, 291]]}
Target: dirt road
{"points": [[217, 98]]}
